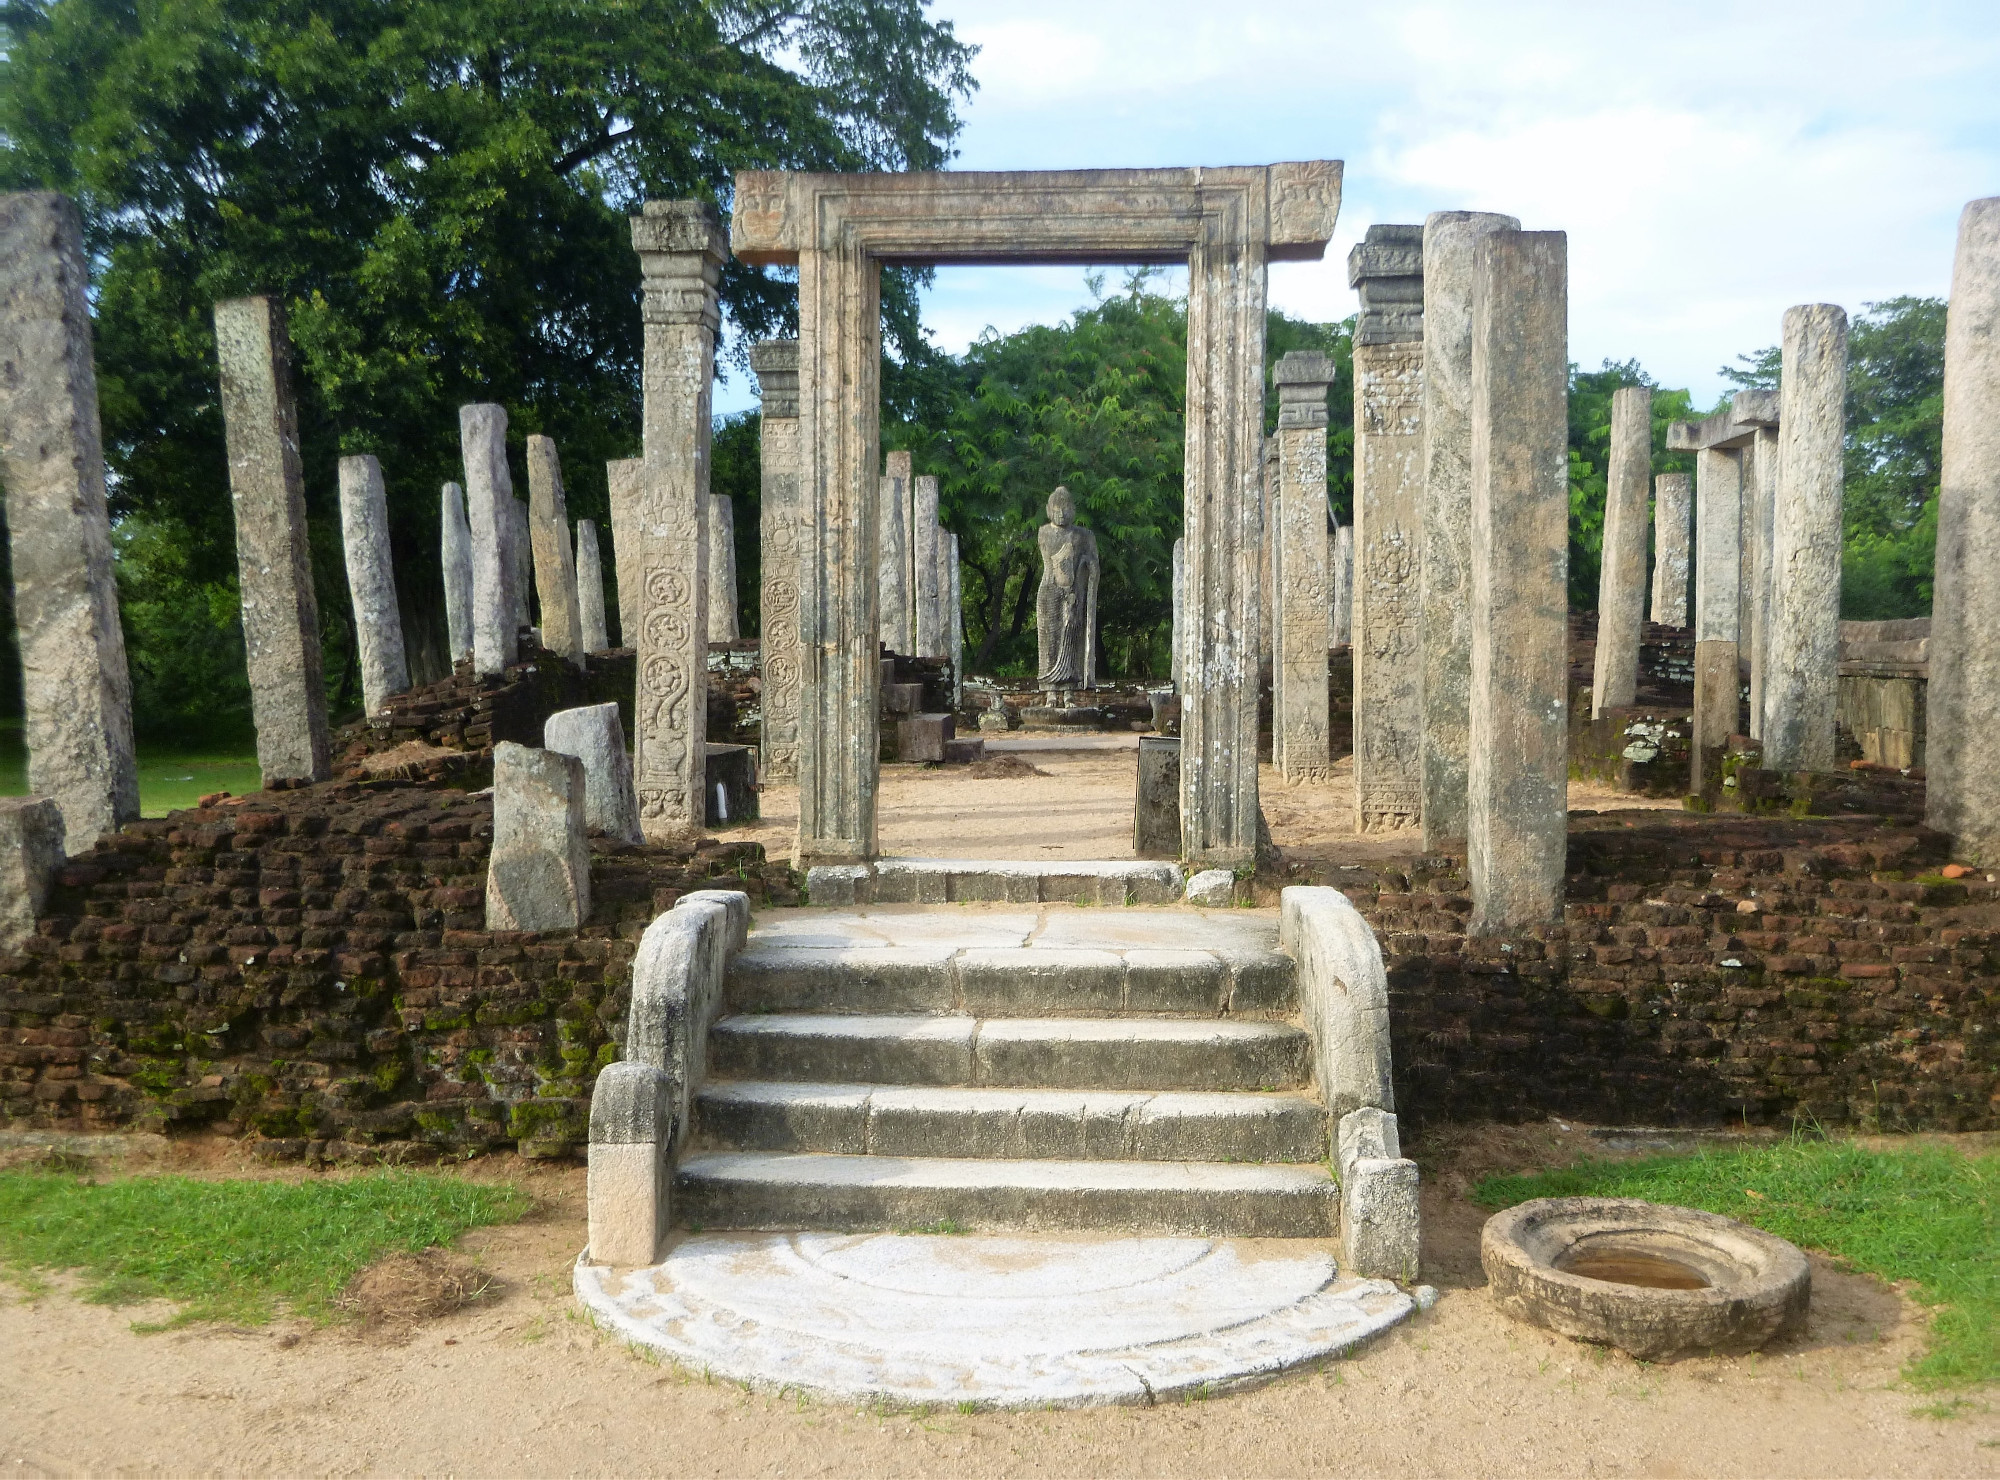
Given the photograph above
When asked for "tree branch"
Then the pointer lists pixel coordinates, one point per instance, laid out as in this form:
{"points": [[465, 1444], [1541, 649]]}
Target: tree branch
{"points": [[603, 143]]}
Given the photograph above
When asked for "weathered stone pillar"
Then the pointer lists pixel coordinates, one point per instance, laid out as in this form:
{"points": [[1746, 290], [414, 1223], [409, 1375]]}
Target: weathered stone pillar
{"points": [[1517, 810], [594, 735], [1802, 689], [926, 570], [775, 363], [371, 581], [1672, 497], [1621, 584], [626, 478], [1180, 609], [520, 558], [681, 250], [893, 558], [955, 619], [1387, 268], [1300, 745], [722, 626], [1343, 586], [538, 874], [489, 496], [76, 689], [1267, 579], [1964, 787], [274, 560], [555, 560], [31, 850], [590, 588], [455, 542], [1444, 555], [1758, 410], [1718, 517]]}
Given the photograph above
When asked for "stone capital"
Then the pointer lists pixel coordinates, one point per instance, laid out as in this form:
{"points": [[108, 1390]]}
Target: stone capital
{"points": [[1387, 269], [775, 363], [1302, 378], [680, 226]]}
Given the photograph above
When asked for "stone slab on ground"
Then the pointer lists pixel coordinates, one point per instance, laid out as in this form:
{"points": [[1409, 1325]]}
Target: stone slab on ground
{"points": [[994, 881], [1002, 1322]]}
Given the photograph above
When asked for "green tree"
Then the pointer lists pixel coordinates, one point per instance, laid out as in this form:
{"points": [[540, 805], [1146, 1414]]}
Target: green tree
{"points": [[1590, 393]]}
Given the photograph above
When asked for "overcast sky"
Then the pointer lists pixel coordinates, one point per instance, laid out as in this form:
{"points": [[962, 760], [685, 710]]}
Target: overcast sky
{"points": [[1712, 164]]}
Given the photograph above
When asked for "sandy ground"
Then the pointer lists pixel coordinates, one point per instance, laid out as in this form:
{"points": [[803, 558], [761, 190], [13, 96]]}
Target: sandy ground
{"points": [[518, 1383]]}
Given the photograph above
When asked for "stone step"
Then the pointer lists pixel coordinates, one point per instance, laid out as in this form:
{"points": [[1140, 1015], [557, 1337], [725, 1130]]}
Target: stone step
{"points": [[1043, 1053], [763, 1190], [1040, 1124]]}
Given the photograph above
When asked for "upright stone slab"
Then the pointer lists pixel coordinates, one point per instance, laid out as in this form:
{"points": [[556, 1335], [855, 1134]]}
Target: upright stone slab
{"points": [[489, 496], [273, 558], [1802, 690], [455, 543], [1343, 586], [627, 479], [1672, 499], [371, 581], [1301, 745], [31, 850], [1444, 559], [926, 568], [892, 562], [680, 250], [1718, 513], [955, 597], [721, 568], [76, 690], [590, 588], [1267, 581], [520, 560], [1758, 409], [1964, 787], [1180, 609], [1517, 810], [538, 873], [776, 365], [594, 735], [555, 559], [1621, 583]]}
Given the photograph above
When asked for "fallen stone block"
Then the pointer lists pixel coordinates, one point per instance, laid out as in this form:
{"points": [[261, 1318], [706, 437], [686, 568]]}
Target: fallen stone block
{"points": [[31, 850], [594, 736], [922, 737], [1213, 887], [963, 751]]}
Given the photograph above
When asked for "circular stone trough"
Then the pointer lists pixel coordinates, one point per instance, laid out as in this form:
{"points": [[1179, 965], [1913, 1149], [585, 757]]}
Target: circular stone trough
{"points": [[1651, 1280]]}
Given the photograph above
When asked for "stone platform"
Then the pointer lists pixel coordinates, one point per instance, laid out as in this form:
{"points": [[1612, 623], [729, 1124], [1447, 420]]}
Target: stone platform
{"points": [[993, 1321]]}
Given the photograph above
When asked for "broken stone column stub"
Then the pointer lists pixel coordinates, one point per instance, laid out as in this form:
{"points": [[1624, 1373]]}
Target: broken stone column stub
{"points": [[1673, 498], [1444, 554], [1621, 586], [371, 581], [1385, 599], [595, 736], [455, 544], [538, 873], [680, 247], [31, 850], [554, 556], [590, 588], [1300, 561], [625, 477], [775, 362], [273, 556], [1517, 809], [489, 495], [76, 688]]}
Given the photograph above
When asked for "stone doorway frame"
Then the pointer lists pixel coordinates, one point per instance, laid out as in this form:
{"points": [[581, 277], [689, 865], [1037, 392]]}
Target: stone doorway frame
{"points": [[1227, 225]]}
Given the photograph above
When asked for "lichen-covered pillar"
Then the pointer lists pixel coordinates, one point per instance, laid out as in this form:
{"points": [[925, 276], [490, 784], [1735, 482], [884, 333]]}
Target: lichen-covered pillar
{"points": [[955, 619], [554, 556], [1444, 554], [1300, 745], [681, 250], [1342, 625], [775, 362], [1672, 497], [1964, 699], [721, 529], [274, 560], [893, 557], [489, 495], [1180, 610], [76, 689], [926, 567], [1517, 809], [520, 557], [1621, 582], [626, 478], [1718, 497], [1387, 269], [590, 588], [1267, 581], [371, 581], [1802, 690], [455, 545], [1758, 410]]}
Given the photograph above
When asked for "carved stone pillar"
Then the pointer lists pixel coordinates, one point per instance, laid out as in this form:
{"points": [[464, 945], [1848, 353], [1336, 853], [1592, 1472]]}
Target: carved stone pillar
{"points": [[1300, 746], [776, 365], [1621, 584]]}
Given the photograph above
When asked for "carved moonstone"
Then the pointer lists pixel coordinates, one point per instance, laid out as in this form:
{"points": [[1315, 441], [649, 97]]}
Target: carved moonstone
{"points": [[371, 581], [590, 588], [776, 365], [555, 559], [455, 541]]}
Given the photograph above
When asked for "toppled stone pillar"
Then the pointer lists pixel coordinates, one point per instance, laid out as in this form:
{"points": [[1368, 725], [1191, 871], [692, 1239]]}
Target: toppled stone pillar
{"points": [[76, 689], [1718, 494], [926, 570], [721, 568], [1343, 586], [1444, 554], [1517, 810], [775, 362], [455, 541], [1301, 746], [1621, 584], [489, 495], [538, 875], [626, 478], [680, 248], [892, 563], [594, 736], [273, 558], [555, 562], [1964, 785], [1387, 268], [1758, 410], [1802, 690], [1180, 610], [590, 588], [371, 581], [1672, 497], [31, 850]]}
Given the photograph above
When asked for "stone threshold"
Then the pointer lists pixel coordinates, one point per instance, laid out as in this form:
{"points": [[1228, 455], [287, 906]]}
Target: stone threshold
{"points": [[994, 881]]}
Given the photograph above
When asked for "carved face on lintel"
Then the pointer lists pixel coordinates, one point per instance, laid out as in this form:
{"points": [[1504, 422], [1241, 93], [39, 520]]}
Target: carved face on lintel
{"points": [[1062, 509]]}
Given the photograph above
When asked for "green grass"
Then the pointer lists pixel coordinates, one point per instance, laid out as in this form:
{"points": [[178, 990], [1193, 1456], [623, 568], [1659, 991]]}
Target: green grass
{"points": [[1925, 1214], [237, 1251], [170, 778]]}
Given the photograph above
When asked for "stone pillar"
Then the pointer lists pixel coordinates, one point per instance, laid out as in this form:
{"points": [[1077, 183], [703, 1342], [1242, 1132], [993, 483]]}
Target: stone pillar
{"points": [[722, 625], [455, 541], [1758, 410], [489, 495], [538, 874], [554, 558], [893, 555], [520, 560], [1267, 580], [1718, 495], [31, 850], [273, 557], [1443, 558], [1802, 689], [1342, 622], [1180, 610], [1300, 746], [1621, 583], [371, 581], [955, 619], [776, 365], [680, 246], [1671, 499], [595, 736], [76, 689], [626, 478], [1387, 633], [590, 588], [926, 570], [1964, 787], [1517, 810]]}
